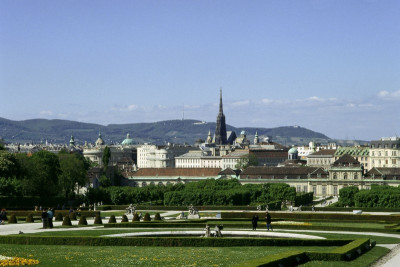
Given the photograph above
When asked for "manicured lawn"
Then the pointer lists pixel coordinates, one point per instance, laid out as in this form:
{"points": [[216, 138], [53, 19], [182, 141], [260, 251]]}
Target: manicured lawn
{"points": [[365, 260], [142, 256]]}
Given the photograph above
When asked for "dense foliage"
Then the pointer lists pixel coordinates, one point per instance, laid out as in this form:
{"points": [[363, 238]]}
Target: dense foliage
{"points": [[377, 197], [346, 196], [42, 174], [207, 192]]}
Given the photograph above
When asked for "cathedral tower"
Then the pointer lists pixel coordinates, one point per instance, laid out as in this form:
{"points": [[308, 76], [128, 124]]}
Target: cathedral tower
{"points": [[220, 130]]}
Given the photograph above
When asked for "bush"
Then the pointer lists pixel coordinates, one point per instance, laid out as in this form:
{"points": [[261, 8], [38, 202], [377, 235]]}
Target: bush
{"points": [[29, 218], [13, 219], [112, 219], [59, 217], [157, 217], [98, 220], [124, 218], [147, 218], [66, 221], [82, 220], [136, 218], [72, 216]]}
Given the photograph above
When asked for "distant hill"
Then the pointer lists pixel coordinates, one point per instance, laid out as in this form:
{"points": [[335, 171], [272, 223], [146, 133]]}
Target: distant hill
{"points": [[174, 131]]}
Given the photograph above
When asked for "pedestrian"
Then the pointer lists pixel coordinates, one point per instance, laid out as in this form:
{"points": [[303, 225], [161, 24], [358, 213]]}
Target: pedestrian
{"points": [[268, 221], [312, 208], [50, 214], [3, 216], [45, 219], [254, 221]]}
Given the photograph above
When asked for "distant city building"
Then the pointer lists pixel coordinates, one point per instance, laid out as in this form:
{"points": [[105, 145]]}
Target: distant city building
{"points": [[323, 158], [312, 147], [385, 153], [153, 156]]}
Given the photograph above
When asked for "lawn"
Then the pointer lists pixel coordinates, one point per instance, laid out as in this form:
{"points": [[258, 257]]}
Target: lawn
{"points": [[142, 256]]}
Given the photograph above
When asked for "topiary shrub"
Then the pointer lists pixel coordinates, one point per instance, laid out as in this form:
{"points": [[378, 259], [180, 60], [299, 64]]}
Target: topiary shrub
{"points": [[147, 218], [67, 221], [82, 220], [157, 217], [124, 218], [98, 220], [29, 218], [72, 216], [59, 217], [112, 219], [136, 218], [13, 219]]}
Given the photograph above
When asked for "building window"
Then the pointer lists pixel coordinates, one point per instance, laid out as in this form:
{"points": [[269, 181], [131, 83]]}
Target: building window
{"points": [[335, 191], [305, 188], [324, 190], [355, 176], [298, 188], [393, 161], [314, 188], [335, 176], [345, 176]]}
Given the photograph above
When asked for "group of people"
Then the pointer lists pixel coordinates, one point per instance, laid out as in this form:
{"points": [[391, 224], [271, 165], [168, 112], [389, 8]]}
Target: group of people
{"points": [[268, 221], [47, 218]]}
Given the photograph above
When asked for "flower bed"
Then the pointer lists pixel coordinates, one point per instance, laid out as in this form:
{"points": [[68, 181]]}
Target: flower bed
{"points": [[16, 261]]}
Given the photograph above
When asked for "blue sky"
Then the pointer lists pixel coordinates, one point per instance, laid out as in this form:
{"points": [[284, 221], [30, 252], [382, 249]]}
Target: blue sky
{"points": [[330, 66]]}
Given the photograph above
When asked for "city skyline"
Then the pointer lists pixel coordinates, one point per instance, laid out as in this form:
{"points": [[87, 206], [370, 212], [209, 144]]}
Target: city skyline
{"points": [[329, 66]]}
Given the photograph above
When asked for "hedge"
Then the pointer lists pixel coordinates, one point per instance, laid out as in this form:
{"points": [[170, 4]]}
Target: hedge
{"points": [[347, 252], [180, 208], [24, 213], [313, 216], [166, 241]]}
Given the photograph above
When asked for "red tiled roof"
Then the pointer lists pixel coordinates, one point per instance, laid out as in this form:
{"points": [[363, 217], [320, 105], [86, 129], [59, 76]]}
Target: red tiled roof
{"points": [[197, 172]]}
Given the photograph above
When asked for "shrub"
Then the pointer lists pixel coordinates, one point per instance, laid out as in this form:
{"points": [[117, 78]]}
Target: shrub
{"points": [[59, 217], [82, 220], [66, 221], [157, 217], [72, 216], [98, 220], [136, 218], [29, 218], [124, 218], [112, 219], [13, 219], [147, 218]]}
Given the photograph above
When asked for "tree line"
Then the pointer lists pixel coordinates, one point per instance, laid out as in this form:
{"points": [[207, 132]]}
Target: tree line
{"points": [[379, 196], [42, 174]]}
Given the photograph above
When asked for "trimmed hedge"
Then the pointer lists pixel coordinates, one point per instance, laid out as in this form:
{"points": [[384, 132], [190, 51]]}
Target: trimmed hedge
{"points": [[98, 220], [147, 218], [124, 218], [82, 220], [24, 213], [347, 252], [135, 218], [13, 219], [313, 216], [67, 221], [181, 208], [112, 219], [59, 217], [29, 218], [166, 241], [157, 217], [72, 216]]}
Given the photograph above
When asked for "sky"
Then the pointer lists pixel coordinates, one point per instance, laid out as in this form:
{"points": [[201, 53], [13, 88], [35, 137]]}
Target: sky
{"points": [[332, 66]]}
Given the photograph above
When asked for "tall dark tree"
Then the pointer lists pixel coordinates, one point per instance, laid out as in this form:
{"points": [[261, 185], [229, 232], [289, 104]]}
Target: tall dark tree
{"points": [[44, 170], [73, 172], [106, 157]]}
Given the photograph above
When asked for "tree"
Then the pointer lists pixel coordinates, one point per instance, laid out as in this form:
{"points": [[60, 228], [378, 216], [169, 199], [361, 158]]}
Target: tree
{"points": [[104, 181], [106, 157], [73, 172], [347, 196], [43, 172], [8, 164], [246, 161]]}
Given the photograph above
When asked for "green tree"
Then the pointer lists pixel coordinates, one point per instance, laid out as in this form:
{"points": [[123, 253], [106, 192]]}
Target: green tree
{"points": [[73, 172], [246, 161], [8, 164], [43, 172], [106, 157], [105, 181], [347, 196]]}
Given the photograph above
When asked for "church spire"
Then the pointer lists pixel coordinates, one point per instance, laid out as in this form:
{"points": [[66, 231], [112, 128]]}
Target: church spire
{"points": [[220, 101], [220, 130]]}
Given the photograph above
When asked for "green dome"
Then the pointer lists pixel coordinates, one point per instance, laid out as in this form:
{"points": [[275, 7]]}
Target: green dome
{"points": [[293, 150], [127, 141]]}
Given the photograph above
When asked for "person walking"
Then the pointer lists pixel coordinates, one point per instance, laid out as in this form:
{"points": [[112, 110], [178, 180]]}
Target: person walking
{"points": [[254, 221], [268, 221], [50, 214], [45, 219]]}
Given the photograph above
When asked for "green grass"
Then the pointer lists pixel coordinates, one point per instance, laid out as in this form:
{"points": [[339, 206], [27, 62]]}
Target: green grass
{"points": [[142, 256], [365, 260]]}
